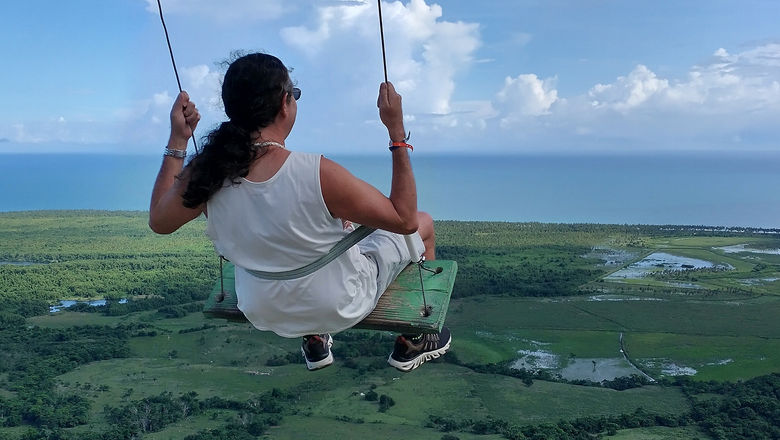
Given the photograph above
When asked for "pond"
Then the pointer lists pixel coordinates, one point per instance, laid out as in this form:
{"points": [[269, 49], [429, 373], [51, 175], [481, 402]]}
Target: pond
{"points": [[598, 369], [598, 298], [593, 369], [660, 261], [669, 368], [744, 248], [757, 281], [66, 303], [18, 263]]}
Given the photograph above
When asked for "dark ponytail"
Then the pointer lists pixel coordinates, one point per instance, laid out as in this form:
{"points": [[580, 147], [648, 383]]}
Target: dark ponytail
{"points": [[251, 93]]}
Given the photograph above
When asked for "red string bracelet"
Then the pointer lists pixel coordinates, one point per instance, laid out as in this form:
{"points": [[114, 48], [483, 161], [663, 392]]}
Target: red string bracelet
{"points": [[396, 145]]}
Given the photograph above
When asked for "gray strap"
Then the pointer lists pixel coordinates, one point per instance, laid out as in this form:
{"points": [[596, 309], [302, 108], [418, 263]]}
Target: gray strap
{"points": [[339, 248]]}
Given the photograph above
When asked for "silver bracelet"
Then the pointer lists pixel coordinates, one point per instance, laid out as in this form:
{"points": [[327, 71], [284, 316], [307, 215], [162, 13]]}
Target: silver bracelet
{"points": [[179, 154]]}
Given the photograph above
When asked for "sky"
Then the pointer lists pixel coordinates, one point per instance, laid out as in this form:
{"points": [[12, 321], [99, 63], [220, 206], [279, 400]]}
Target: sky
{"points": [[497, 76]]}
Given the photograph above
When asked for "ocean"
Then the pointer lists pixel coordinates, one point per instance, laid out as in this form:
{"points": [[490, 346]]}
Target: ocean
{"points": [[713, 189]]}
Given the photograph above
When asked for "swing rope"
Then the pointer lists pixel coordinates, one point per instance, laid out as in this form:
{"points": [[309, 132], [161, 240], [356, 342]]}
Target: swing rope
{"points": [[382, 34], [426, 308], [221, 278], [173, 61]]}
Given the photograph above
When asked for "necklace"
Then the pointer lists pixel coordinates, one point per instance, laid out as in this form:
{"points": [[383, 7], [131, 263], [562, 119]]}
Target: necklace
{"points": [[268, 143]]}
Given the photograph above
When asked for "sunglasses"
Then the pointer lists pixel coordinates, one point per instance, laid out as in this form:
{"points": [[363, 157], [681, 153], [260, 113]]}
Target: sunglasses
{"points": [[296, 93]]}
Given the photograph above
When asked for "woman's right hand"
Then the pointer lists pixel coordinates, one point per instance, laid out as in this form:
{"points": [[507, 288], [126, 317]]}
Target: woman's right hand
{"points": [[184, 119], [391, 112]]}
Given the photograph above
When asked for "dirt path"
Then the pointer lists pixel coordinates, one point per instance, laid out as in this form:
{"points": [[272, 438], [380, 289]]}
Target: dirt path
{"points": [[628, 359]]}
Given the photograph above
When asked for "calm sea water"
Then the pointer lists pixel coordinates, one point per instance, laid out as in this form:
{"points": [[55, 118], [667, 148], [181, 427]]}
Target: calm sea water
{"points": [[695, 189]]}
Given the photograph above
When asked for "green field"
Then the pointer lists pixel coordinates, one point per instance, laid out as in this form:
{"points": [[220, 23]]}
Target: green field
{"points": [[524, 288]]}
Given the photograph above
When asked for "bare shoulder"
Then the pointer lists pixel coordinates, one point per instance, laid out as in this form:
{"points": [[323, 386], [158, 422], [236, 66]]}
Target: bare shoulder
{"points": [[335, 177], [332, 169]]}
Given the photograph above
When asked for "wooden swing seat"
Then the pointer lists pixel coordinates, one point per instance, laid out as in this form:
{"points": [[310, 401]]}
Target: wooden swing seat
{"points": [[400, 308]]}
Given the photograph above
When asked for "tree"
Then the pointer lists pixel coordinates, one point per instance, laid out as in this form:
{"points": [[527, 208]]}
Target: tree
{"points": [[385, 402]]}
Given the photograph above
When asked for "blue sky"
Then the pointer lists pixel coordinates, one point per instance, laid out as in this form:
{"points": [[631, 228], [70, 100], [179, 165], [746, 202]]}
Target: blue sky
{"points": [[496, 76]]}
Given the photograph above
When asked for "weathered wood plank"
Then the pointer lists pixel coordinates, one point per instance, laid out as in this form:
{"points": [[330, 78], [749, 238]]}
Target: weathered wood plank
{"points": [[400, 308]]}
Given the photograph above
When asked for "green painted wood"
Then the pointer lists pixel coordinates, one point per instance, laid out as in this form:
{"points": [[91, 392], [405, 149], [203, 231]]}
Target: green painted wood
{"points": [[400, 308]]}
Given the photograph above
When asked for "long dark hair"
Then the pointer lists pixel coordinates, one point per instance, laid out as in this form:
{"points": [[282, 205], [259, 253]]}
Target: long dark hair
{"points": [[251, 93]]}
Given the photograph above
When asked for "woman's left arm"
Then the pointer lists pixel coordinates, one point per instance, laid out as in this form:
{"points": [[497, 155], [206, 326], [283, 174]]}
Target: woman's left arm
{"points": [[167, 212]]}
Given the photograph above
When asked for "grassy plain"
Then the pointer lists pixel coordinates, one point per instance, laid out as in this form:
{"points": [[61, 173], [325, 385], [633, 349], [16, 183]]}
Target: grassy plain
{"points": [[660, 433], [725, 331]]}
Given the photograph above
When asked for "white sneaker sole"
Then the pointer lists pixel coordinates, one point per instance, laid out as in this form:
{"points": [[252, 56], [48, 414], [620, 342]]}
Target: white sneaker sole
{"points": [[419, 360], [311, 366]]}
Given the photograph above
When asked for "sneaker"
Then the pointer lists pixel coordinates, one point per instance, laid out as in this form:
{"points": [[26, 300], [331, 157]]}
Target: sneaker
{"points": [[316, 351], [411, 352]]}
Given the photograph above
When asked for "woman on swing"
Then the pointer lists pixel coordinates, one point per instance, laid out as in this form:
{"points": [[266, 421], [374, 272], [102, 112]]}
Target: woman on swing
{"points": [[272, 209]]}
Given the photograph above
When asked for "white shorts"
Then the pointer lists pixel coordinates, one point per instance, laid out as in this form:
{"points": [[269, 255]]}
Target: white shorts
{"points": [[391, 254]]}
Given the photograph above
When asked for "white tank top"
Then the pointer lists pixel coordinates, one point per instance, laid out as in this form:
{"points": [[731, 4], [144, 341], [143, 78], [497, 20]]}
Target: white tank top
{"points": [[282, 224]]}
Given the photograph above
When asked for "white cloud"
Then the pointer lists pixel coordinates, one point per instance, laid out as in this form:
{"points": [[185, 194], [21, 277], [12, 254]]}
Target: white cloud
{"points": [[71, 130], [628, 91], [331, 22], [223, 11], [726, 84], [204, 83], [525, 96], [162, 99], [423, 59], [147, 121], [21, 134], [728, 100], [747, 81], [467, 119]]}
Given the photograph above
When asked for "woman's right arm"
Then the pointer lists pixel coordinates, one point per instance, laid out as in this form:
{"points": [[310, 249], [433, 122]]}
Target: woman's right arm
{"points": [[350, 198], [167, 212]]}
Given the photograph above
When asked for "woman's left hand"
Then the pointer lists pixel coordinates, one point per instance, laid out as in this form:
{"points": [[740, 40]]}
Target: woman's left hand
{"points": [[184, 119]]}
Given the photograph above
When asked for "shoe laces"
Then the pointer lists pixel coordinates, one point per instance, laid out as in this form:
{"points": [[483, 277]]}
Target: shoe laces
{"points": [[315, 339]]}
